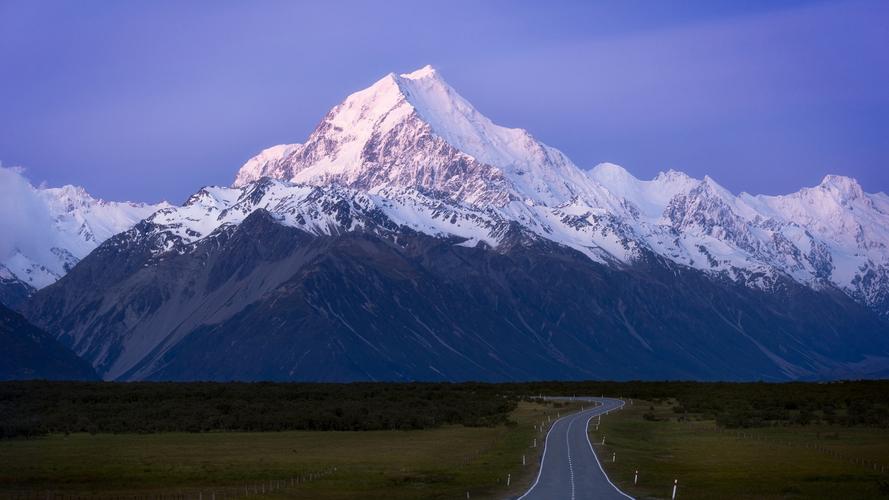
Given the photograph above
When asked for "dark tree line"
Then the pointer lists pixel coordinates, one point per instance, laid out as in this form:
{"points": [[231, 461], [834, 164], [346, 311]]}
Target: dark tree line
{"points": [[733, 405], [36, 407]]}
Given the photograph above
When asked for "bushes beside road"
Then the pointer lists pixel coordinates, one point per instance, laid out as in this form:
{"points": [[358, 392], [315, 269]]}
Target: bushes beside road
{"points": [[37, 408]]}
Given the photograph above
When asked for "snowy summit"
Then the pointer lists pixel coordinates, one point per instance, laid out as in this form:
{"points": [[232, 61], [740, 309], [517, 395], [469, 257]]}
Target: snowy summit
{"points": [[414, 133]]}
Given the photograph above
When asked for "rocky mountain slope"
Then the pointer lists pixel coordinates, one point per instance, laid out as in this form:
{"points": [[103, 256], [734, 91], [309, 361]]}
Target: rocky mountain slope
{"points": [[29, 353], [349, 294]]}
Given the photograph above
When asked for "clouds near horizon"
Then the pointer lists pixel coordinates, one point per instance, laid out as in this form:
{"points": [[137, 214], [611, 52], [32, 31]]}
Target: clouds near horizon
{"points": [[25, 221]]}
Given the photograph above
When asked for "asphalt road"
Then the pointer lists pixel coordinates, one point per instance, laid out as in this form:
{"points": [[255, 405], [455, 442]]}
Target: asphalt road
{"points": [[570, 469]]}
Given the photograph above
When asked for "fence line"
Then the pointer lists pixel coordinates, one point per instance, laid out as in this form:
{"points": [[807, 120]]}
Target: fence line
{"points": [[868, 464], [250, 489]]}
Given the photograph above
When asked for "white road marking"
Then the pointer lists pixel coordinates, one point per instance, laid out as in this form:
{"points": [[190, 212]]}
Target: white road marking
{"points": [[586, 432], [570, 463], [570, 458]]}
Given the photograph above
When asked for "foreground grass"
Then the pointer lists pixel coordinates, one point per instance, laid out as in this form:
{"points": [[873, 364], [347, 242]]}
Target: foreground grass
{"points": [[436, 463], [766, 463]]}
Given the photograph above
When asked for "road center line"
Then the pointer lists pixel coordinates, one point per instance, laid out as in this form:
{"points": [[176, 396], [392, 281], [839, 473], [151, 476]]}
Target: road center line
{"points": [[570, 463]]}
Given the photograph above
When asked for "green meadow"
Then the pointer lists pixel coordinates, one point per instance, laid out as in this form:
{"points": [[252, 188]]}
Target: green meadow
{"points": [[771, 462], [443, 462]]}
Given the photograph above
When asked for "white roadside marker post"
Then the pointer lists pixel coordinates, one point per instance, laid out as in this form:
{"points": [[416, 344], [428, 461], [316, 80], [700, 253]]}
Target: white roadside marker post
{"points": [[508, 477], [603, 440], [675, 484], [613, 457], [636, 478], [523, 460]]}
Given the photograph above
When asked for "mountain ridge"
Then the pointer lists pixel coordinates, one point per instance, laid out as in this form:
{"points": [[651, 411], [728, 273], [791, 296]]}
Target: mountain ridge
{"points": [[411, 238], [813, 235], [65, 224]]}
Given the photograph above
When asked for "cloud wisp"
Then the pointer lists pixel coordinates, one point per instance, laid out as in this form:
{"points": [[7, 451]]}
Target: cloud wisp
{"points": [[25, 221]]}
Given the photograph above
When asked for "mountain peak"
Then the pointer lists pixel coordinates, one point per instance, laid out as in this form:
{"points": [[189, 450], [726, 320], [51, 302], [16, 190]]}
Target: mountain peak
{"points": [[425, 72], [68, 198], [847, 187], [613, 170], [415, 131], [672, 175]]}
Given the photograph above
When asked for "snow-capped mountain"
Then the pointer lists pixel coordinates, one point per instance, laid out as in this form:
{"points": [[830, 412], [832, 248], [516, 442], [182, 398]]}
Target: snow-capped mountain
{"points": [[72, 223], [409, 237], [273, 280], [831, 234], [414, 132]]}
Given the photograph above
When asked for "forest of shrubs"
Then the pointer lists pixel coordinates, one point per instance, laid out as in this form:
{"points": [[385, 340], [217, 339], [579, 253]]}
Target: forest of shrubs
{"points": [[36, 407], [733, 405]]}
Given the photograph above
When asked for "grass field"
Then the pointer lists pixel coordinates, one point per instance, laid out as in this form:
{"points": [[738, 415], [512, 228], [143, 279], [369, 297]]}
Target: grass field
{"points": [[435, 463], [815, 461]]}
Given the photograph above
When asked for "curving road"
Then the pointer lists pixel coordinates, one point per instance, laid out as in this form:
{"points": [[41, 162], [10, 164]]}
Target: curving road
{"points": [[569, 469]]}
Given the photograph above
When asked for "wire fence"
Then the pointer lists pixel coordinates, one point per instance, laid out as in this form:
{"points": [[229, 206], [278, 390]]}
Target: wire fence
{"points": [[871, 465], [250, 489]]}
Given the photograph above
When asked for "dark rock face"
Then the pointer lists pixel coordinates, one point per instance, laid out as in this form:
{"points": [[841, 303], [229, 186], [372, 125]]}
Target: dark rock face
{"points": [[30, 353], [14, 292], [261, 301]]}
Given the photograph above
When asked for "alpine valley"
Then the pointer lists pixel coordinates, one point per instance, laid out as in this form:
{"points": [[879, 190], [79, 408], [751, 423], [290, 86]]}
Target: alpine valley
{"points": [[410, 238]]}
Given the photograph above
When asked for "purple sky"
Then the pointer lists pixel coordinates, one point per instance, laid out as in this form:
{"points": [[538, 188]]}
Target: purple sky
{"points": [[151, 100]]}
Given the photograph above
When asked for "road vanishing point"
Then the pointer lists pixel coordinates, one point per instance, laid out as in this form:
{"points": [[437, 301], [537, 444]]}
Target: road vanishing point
{"points": [[569, 468]]}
